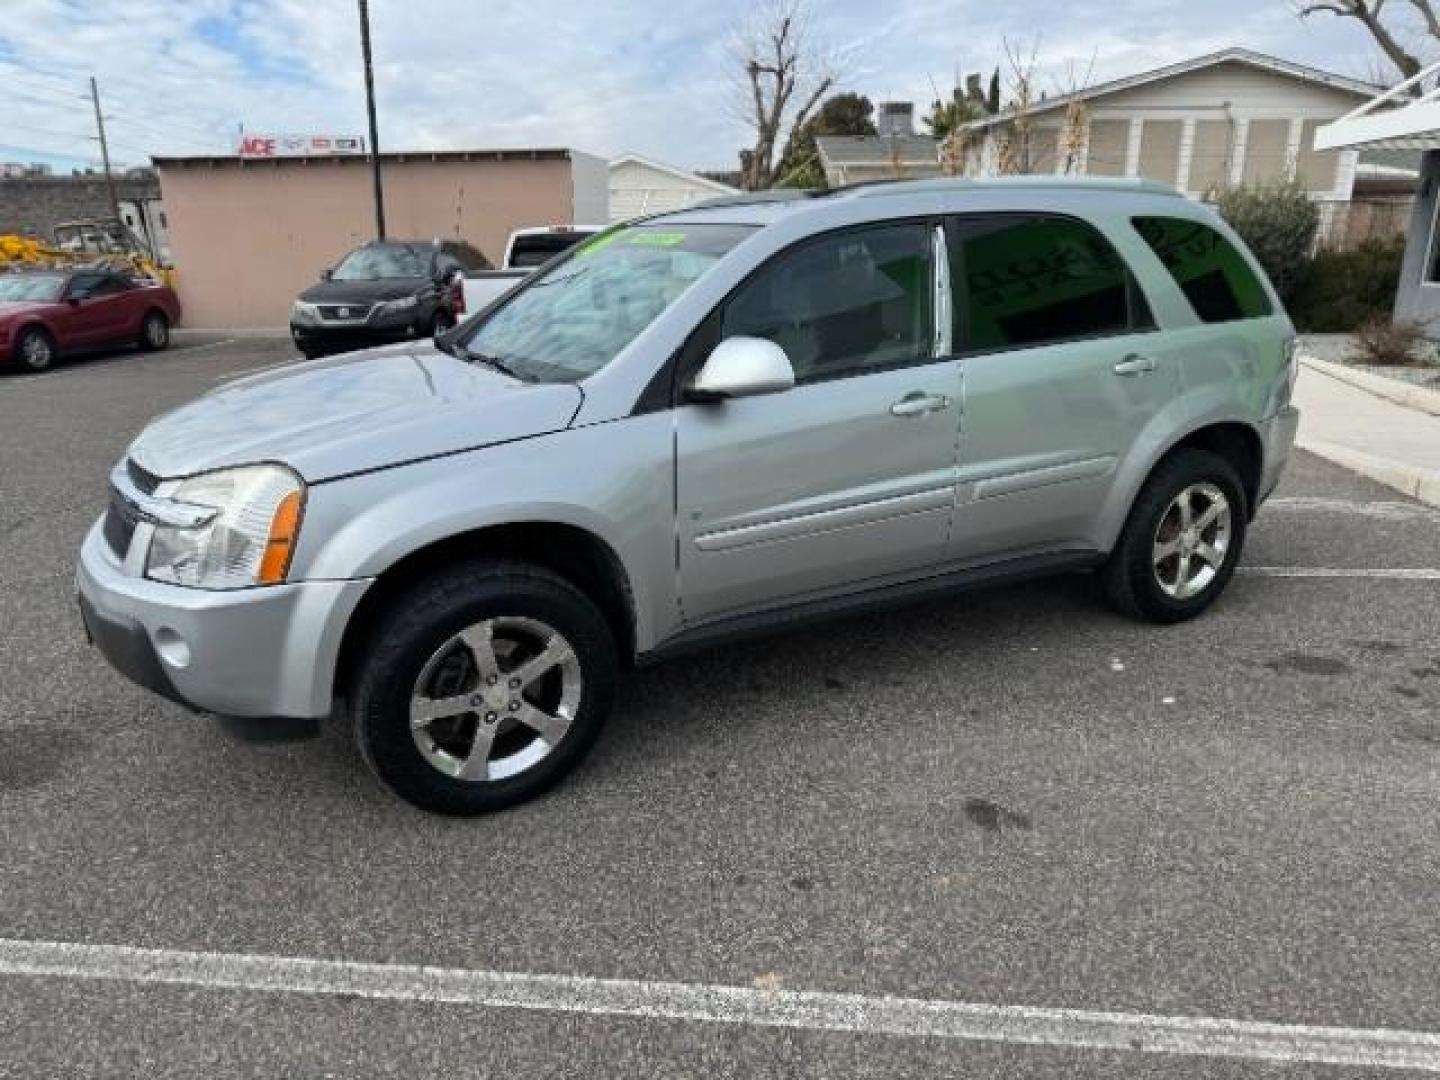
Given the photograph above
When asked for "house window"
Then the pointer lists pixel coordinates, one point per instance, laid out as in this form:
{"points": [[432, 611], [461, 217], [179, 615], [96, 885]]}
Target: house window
{"points": [[1265, 146], [1316, 169], [1210, 155], [1044, 149], [1160, 150], [1109, 146]]}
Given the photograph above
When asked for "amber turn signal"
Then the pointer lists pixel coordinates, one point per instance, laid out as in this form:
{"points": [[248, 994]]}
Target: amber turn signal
{"points": [[284, 530]]}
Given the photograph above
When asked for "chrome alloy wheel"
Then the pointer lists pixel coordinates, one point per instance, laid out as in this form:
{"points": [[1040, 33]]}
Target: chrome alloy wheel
{"points": [[495, 699], [157, 332], [1192, 540], [35, 350]]}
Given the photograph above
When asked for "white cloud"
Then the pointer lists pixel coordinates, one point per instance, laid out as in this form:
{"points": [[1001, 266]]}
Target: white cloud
{"points": [[180, 75]]}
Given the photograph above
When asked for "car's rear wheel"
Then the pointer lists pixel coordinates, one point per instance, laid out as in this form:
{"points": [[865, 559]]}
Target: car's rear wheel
{"points": [[35, 349], [483, 687], [1182, 541], [154, 331]]}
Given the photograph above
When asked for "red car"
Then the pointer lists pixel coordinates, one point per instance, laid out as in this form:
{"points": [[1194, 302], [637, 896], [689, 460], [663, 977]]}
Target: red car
{"points": [[45, 314]]}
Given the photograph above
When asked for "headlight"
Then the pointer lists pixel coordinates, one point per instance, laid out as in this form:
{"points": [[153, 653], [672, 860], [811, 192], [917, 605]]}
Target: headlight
{"points": [[302, 312], [249, 542], [394, 307]]}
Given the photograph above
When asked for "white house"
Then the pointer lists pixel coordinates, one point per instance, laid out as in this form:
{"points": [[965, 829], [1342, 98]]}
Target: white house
{"points": [[639, 185], [1229, 117]]}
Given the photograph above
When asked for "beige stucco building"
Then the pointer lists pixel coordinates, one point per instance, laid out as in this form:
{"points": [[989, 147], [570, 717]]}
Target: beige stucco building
{"points": [[248, 235]]}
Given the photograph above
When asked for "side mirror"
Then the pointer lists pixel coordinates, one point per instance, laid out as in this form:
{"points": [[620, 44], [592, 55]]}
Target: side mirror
{"points": [[742, 367], [327, 273], [74, 298]]}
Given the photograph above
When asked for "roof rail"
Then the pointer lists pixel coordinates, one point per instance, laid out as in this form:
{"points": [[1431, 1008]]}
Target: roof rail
{"points": [[746, 198], [1066, 183]]}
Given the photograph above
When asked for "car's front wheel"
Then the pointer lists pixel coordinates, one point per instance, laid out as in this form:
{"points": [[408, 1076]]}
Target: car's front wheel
{"points": [[1182, 541], [35, 349], [483, 686]]}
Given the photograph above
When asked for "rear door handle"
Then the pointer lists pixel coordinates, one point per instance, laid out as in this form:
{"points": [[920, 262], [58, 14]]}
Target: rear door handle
{"points": [[919, 403], [1135, 364]]}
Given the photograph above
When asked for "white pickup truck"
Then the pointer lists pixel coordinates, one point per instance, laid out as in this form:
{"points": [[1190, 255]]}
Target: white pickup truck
{"points": [[525, 250]]}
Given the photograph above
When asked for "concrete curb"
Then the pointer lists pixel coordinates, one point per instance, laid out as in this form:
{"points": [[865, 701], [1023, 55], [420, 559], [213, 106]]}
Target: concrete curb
{"points": [[1412, 480], [182, 333], [1420, 398]]}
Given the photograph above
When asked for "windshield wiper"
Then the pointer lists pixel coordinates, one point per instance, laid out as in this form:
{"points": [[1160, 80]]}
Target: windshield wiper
{"points": [[490, 361]]}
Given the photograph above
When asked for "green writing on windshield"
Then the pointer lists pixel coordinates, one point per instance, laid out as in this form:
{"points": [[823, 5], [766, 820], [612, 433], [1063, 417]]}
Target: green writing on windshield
{"points": [[651, 238], [631, 238]]}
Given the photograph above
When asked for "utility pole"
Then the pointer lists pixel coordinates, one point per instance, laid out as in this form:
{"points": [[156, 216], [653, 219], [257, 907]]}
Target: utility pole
{"points": [[370, 113], [104, 150]]}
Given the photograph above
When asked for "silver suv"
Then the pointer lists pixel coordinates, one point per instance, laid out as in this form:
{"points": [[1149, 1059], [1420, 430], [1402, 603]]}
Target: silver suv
{"points": [[695, 426]]}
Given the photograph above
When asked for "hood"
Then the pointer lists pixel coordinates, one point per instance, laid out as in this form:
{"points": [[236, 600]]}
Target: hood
{"points": [[362, 292], [350, 413]]}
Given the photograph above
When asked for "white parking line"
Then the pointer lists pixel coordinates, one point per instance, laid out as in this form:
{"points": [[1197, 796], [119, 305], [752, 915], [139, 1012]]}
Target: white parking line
{"points": [[1388, 510], [1397, 574], [811, 1011]]}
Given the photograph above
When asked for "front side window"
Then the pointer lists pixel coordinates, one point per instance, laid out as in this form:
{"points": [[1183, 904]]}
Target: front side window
{"points": [[844, 304], [110, 285], [1036, 280], [83, 285], [1214, 277], [574, 318], [377, 262]]}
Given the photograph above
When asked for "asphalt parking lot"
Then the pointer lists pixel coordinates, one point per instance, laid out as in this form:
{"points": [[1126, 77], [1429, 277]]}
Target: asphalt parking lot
{"points": [[1014, 798]]}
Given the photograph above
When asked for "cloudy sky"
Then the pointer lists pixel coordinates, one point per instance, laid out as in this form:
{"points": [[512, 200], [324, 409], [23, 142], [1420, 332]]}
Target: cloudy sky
{"points": [[181, 76]]}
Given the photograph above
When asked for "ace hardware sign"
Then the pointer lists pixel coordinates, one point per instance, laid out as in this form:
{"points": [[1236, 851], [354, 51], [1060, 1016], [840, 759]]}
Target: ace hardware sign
{"points": [[257, 145]]}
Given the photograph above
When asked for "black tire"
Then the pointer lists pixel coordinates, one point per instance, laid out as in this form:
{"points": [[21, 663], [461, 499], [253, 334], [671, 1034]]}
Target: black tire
{"points": [[35, 349], [422, 621], [154, 331], [1129, 578]]}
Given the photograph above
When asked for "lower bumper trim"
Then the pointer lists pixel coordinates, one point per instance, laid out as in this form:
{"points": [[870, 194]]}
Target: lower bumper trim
{"points": [[128, 649]]}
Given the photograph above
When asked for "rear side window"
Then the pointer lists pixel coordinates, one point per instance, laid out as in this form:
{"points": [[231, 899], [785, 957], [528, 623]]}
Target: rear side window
{"points": [[1032, 280], [1214, 277]]}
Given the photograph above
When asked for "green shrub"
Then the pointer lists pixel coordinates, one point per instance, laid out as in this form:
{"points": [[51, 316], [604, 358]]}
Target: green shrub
{"points": [[1343, 290], [1278, 222]]}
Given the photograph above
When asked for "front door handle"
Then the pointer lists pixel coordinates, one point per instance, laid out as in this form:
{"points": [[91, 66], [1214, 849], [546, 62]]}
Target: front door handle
{"points": [[1135, 364], [919, 403]]}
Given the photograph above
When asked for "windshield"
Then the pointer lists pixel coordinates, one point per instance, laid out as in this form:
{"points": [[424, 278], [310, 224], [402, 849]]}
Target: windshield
{"points": [[575, 318], [31, 286], [379, 261]]}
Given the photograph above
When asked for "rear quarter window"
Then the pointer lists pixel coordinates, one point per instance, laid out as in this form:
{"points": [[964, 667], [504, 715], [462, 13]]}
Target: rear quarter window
{"points": [[1213, 275]]}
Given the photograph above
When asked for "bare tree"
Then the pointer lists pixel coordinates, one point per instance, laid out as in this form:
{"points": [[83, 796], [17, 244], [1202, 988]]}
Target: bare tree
{"points": [[1075, 128], [1014, 152], [1387, 33], [785, 71]]}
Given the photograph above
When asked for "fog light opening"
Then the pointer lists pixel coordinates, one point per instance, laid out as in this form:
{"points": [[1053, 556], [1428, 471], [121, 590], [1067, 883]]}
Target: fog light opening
{"points": [[173, 649]]}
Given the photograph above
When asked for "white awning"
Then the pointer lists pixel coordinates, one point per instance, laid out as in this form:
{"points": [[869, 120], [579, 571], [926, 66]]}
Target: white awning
{"points": [[1405, 117]]}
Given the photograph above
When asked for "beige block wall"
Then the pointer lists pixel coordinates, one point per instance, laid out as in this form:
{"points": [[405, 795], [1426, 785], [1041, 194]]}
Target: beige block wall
{"points": [[247, 238]]}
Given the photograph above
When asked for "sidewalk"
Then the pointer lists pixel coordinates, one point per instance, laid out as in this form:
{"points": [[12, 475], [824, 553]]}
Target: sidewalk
{"points": [[1396, 444]]}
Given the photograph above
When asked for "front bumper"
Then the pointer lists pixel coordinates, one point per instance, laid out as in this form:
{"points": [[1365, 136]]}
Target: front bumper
{"points": [[337, 336], [245, 652], [1278, 436]]}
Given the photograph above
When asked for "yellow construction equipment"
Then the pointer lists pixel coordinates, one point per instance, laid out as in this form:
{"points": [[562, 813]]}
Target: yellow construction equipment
{"points": [[83, 244]]}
